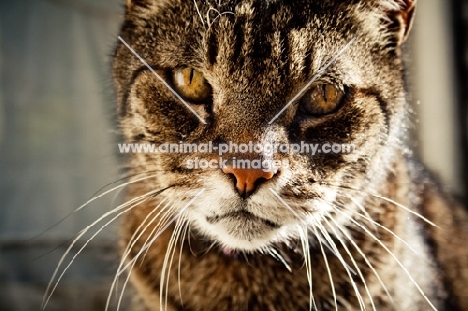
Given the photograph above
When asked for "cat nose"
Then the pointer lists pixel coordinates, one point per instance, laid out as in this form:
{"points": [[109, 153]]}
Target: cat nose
{"points": [[247, 180]]}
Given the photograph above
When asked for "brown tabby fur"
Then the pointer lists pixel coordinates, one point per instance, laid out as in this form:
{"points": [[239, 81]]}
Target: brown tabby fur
{"points": [[257, 54]]}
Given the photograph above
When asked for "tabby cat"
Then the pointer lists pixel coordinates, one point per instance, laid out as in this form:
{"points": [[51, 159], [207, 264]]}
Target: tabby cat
{"points": [[361, 230]]}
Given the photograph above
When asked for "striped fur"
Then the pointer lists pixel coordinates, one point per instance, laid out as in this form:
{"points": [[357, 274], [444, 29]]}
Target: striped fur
{"points": [[364, 237]]}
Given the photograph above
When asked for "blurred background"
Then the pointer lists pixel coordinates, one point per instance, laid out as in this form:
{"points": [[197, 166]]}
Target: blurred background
{"points": [[57, 147], [58, 140]]}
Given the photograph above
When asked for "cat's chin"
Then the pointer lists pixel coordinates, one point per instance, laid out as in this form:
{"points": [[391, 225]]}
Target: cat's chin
{"points": [[240, 231]]}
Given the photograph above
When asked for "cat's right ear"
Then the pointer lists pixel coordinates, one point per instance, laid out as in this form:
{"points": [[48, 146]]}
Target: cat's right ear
{"points": [[401, 17]]}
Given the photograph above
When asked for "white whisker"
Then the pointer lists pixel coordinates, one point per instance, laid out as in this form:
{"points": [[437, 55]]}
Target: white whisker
{"points": [[394, 257], [303, 233], [306, 225], [139, 199], [352, 260], [388, 200], [127, 279], [198, 12], [209, 248], [362, 208], [391, 232], [113, 189], [218, 16], [325, 234], [328, 270], [133, 264], [171, 251], [359, 250], [162, 222], [208, 15], [405, 208], [275, 254], [368, 218], [159, 233], [333, 249], [132, 242], [146, 246], [305, 247], [83, 232], [184, 234], [128, 248]]}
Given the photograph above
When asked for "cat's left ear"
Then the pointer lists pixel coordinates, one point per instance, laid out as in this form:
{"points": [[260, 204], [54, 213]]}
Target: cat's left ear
{"points": [[402, 19], [140, 3]]}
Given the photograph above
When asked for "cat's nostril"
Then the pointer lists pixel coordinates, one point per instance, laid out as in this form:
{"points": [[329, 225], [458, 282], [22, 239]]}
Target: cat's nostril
{"points": [[247, 180]]}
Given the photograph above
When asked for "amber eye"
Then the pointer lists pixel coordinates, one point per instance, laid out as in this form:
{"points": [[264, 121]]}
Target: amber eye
{"points": [[321, 100], [191, 84]]}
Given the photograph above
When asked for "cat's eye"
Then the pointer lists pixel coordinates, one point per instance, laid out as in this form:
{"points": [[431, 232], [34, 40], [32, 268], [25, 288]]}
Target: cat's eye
{"points": [[321, 100], [191, 85]]}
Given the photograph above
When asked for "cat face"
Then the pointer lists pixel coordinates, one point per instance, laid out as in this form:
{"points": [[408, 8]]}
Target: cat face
{"points": [[325, 74]]}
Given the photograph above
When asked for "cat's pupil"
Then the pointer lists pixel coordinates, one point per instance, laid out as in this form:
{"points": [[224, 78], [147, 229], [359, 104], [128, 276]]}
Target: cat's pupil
{"points": [[321, 100], [191, 84]]}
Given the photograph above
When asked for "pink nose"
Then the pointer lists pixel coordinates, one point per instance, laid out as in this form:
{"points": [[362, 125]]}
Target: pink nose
{"points": [[247, 180]]}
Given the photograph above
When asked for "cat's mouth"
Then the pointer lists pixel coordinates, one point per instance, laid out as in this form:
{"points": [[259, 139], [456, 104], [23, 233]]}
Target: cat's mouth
{"points": [[242, 216], [241, 230]]}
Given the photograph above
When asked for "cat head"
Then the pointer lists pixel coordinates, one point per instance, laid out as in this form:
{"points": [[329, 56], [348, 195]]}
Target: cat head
{"points": [[267, 77]]}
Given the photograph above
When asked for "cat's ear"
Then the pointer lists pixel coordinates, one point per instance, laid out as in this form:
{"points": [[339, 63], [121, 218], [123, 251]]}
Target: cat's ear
{"points": [[401, 17], [139, 3]]}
